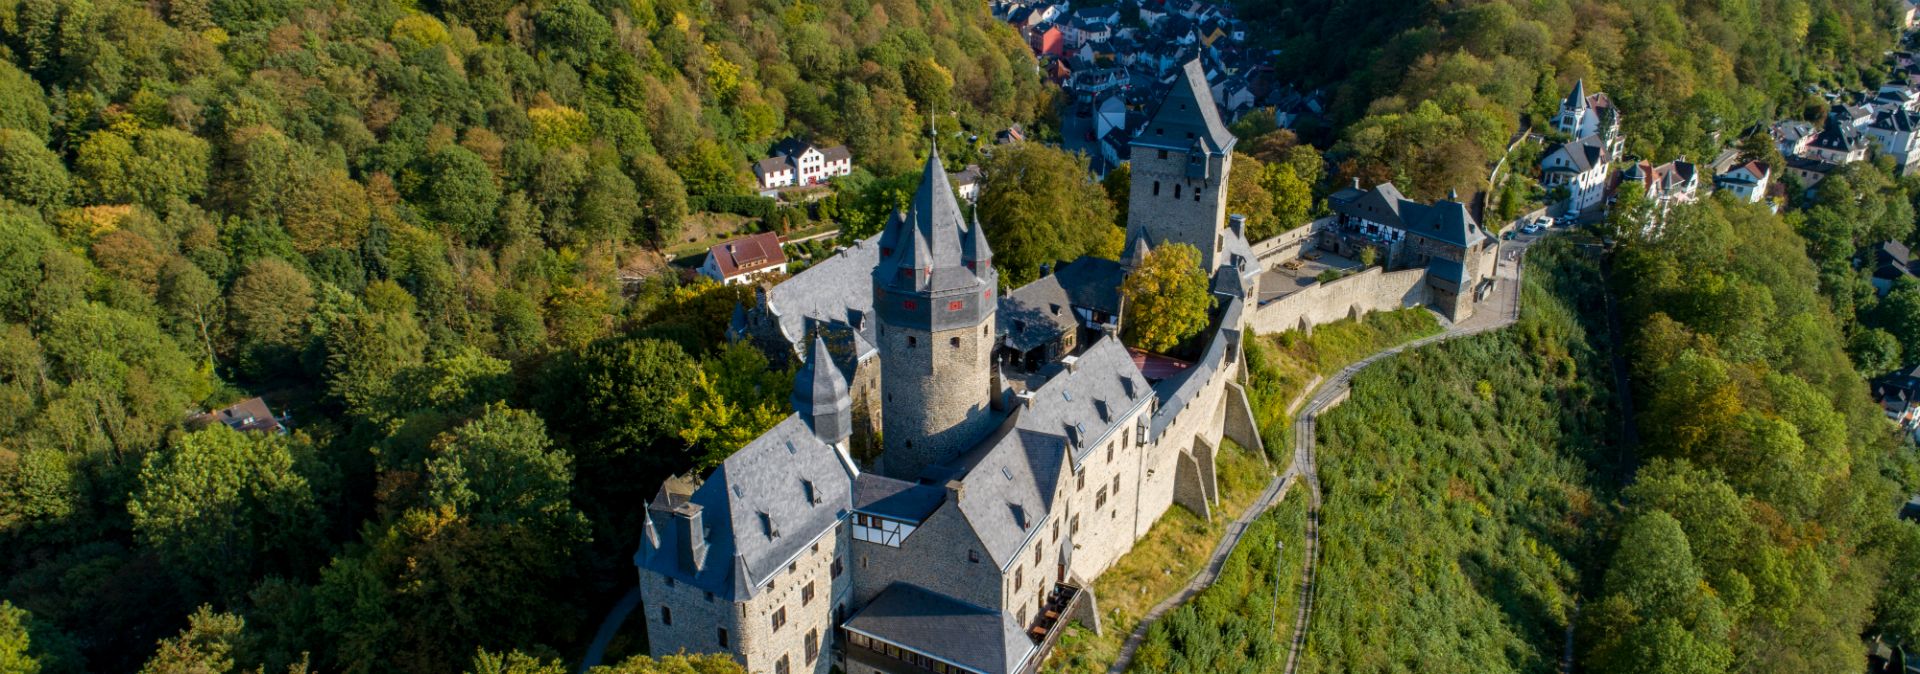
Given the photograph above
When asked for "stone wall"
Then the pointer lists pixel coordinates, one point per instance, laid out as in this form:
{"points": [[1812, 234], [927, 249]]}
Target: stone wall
{"points": [[762, 645], [934, 557], [936, 387], [698, 616], [1290, 240], [1107, 531], [1164, 205], [1356, 295]]}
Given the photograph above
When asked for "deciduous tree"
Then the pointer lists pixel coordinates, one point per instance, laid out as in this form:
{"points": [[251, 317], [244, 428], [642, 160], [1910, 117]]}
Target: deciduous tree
{"points": [[1166, 298]]}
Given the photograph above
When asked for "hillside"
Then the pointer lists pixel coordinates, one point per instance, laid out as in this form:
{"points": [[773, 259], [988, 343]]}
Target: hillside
{"points": [[404, 224], [1427, 93]]}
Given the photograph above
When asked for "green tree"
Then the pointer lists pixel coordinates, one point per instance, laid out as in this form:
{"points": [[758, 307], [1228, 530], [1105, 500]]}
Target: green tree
{"points": [[460, 191], [365, 352], [269, 303], [617, 396], [1166, 298], [222, 506], [1874, 351], [1898, 608], [662, 199], [209, 645], [609, 206], [23, 105], [14, 642], [1654, 616], [1119, 186], [1039, 207], [29, 172]]}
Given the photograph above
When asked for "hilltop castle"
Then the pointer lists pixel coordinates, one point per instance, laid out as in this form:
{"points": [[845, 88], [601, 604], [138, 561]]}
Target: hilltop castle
{"points": [[961, 463]]}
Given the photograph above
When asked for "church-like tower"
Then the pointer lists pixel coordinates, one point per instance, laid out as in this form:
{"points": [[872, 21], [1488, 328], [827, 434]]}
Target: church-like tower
{"points": [[1180, 162], [934, 293]]}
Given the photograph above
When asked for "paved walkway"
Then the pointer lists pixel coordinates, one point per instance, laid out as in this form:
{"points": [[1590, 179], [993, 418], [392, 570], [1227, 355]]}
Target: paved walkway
{"points": [[1499, 310]]}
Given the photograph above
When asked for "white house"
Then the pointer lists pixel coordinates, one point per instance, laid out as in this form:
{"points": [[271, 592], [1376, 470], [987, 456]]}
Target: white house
{"points": [[1747, 181], [966, 183], [741, 260], [1675, 182], [1580, 166], [799, 162], [1894, 130], [1583, 115]]}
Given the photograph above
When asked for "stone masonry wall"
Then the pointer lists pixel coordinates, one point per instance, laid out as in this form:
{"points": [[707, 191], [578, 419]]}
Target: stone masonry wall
{"points": [[1367, 291], [1106, 531], [762, 645], [933, 557], [697, 617], [936, 388], [1165, 217]]}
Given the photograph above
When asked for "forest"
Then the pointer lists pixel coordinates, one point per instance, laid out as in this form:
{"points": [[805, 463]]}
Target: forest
{"points": [[1428, 93], [425, 231]]}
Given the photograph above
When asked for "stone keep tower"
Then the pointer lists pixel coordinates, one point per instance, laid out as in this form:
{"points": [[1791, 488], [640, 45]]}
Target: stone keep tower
{"points": [[1180, 162], [934, 293]]}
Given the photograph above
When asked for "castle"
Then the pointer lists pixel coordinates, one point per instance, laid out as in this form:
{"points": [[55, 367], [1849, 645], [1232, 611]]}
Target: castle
{"points": [[960, 463]]}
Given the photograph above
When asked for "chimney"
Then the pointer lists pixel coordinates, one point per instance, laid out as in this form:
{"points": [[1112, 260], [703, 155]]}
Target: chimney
{"points": [[1356, 182], [955, 489], [1072, 363], [1238, 223], [690, 537]]}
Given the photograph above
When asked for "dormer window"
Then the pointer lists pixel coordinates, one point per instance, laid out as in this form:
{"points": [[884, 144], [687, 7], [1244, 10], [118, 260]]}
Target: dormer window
{"points": [[766, 526], [806, 487]]}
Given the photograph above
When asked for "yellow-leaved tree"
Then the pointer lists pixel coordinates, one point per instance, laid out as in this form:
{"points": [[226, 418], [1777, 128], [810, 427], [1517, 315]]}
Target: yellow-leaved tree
{"points": [[1167, 298]]}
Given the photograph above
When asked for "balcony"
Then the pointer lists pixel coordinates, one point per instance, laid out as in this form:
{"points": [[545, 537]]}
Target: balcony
{"points": [[1051, 622]]}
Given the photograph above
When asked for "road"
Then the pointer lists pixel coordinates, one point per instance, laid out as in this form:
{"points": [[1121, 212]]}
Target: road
{"points": [[1499, 310]]}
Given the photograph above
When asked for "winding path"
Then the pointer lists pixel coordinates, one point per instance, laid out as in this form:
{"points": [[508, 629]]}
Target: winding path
{"points": [[1505, 297]]}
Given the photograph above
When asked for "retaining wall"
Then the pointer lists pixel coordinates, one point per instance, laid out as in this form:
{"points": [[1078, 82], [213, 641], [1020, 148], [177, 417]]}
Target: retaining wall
{"points": [[1359, 294]]}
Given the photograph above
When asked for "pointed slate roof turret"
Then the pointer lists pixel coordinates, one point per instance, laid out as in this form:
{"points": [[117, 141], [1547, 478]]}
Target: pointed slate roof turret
{"points": [[978, 255], [820, 395], [1136, 255], [1578, 99], [1187, 116], [927, 239]]}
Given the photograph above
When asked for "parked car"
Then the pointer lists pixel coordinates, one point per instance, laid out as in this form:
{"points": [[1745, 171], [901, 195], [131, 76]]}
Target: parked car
{"points": [[1531, 228]]}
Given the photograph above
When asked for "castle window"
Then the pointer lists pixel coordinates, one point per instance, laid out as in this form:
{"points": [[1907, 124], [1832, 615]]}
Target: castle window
{"points": [[1196, 194], [1176, 190], [1163, 154], [669, 581], [973, 556], [1100, 498], [782, 667], [813, 645], [1156, 188], [1080, 481], [953, 342], [837, 567], [1116, 485], [1019, 579], [779, 618], [666, 615], [1110, 453], [709, 596], [1036, 556], [912, 341], [723, 638], [806, 591]]}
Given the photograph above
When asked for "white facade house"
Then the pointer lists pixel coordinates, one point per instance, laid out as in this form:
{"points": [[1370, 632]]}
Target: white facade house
{"points": [[1894, 129], [742, 260], [1747, 181], [1581, 167], [796, 162]]}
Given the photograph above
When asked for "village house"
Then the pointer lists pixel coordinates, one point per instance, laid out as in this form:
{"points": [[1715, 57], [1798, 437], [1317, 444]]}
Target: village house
{"points": [[1894, 129], [966, 182], [1891, 262], [797, 162], [1748, 181], [250, 415], [1675, 182], [1837, 144], [1580, 166], [1899, 397], [744, 259]]}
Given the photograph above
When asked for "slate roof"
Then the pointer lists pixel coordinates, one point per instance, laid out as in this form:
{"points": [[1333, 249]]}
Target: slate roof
{"points": [[1084, 402], [1836, 136], [1448, 270], [945, 628], [769, 476], [1188, 116], [877, 494], [927, 244], [251, 414], [1444, 220], [748, 254], [1584, 154], [836, 289], [1758, 169]]}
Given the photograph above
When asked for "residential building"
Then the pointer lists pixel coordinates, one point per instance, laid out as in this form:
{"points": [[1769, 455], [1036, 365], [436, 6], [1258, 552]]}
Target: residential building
{"points": [[1747, 181], [744, 259], [1583, 114], [1899, 397], [1894, 130], [966, 182], [798, 162], [250, 415], [1580, 166], [1675, 182], [1892, 262]]}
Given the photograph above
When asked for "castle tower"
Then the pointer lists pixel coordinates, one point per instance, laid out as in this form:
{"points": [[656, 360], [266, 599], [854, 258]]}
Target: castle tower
{"points": [[820, 395], [1180, 162], [934, 294]]}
